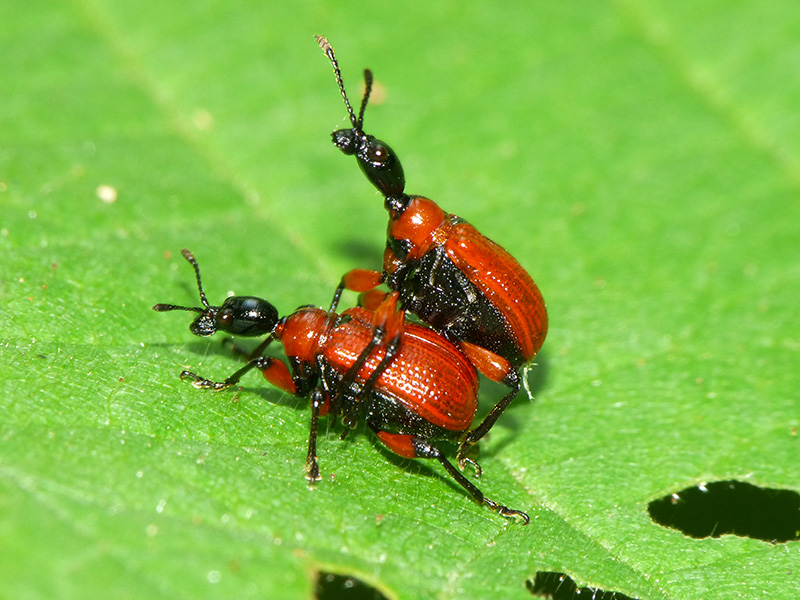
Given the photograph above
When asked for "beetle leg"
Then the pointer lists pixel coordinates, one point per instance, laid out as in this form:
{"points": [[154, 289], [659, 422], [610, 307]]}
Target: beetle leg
{"points": [[351, 417], [410, 446], [274, 370], [497, 369], [261, 363], [488, 422], [481, 430], [357, 280], [255, 360], [372, 299], [388, 326], [277, 373], [345, 398], [318, 402], [525, 381], [259, 350]]}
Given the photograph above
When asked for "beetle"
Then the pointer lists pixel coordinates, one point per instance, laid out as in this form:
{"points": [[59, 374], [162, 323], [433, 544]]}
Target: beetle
{"points": [[412, 386], [446, 272]]}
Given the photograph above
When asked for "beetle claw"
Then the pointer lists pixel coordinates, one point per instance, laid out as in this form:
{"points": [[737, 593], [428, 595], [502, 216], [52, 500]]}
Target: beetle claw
{"points": [[509, 513], [464, 461], [349, 420]]}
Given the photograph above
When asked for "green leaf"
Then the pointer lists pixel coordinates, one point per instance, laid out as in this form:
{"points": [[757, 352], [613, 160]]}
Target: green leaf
{"points": [[641, 159]]}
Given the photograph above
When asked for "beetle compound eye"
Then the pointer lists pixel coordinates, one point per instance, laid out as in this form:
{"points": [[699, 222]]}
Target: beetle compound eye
{"points": [[377, 154], [224, 318]]}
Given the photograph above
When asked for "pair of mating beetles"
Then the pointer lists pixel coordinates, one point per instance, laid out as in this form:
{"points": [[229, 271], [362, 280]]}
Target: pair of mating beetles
{"points": [[413, 384]]}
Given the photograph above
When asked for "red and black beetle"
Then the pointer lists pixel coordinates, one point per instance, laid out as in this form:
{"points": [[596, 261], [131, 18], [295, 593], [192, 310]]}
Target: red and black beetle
{"points": [[446, 272], [411, 385]]}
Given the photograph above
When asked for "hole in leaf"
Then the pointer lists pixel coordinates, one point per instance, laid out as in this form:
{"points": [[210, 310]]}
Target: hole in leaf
{"points": [[731, 507], [559, 586], [331, 586]]}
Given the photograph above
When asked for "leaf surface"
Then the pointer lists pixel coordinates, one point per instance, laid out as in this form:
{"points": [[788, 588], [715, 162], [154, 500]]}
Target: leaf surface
{"points": [[641, 159]]}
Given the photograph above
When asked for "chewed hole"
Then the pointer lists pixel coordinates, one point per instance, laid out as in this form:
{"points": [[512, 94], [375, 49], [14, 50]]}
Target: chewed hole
{"points": [[731, 508], [331, 586], [559, 586]]}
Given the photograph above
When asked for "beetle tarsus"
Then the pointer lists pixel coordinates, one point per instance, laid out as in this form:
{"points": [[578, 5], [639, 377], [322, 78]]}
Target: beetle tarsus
{"points": [[312, 465], [312, 472], [201, 383], [476, 494], [509, 513]]}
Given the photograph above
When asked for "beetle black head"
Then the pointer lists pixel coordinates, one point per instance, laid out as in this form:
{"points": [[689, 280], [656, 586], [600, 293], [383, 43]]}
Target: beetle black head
{"points": [[239, 315], [376, 159]]}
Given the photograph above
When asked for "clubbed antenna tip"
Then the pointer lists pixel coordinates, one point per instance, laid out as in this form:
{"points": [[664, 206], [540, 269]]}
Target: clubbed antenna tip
{"points": [[167, 307], [358, 122], [324, 44]]}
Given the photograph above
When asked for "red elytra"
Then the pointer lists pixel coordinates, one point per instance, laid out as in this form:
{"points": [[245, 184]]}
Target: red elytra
{"points": [[427, 375], [496, 274], [411, 385]]}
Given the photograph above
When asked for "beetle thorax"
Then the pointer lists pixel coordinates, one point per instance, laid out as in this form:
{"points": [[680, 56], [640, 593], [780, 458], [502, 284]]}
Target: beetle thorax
{"points": [[420, 225], [303, 332]]}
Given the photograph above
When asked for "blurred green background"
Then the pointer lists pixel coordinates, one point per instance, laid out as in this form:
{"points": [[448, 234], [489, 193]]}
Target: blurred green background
{"points": [[640, 159]]}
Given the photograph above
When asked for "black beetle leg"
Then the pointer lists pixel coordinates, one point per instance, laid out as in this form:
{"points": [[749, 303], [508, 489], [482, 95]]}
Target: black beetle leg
{"points": [[260, 363], [312, 465], [512, 380]]}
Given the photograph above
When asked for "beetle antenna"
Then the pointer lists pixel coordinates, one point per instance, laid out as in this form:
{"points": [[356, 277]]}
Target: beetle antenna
{"points": [[367, 92], [328, 50], [167, 307], [193, 261]]}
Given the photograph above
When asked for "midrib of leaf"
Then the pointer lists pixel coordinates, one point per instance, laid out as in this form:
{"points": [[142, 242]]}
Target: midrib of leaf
{"points": [[113, 36]]}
